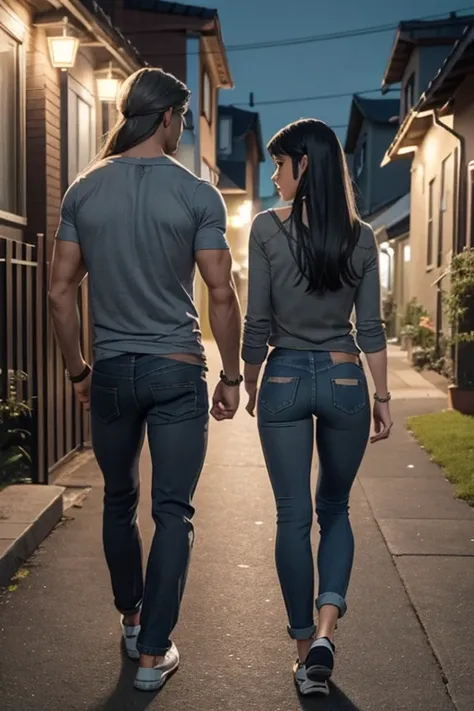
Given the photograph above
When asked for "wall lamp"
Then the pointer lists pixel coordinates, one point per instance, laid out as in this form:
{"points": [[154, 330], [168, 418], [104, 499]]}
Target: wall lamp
{"points": [[63, 49], [107, 86]]}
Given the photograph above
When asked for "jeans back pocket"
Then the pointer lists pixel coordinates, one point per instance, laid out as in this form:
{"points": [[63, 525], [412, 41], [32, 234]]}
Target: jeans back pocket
{"points": [[104, 403], [278, 393], [349, 394], [174, 401]]}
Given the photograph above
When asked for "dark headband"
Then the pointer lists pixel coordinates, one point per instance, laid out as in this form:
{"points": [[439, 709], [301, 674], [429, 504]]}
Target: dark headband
{"points": [[126, 113]]}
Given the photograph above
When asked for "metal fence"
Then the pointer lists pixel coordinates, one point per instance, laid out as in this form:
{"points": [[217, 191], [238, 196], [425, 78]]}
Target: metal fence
{"points": [[58, 426]]}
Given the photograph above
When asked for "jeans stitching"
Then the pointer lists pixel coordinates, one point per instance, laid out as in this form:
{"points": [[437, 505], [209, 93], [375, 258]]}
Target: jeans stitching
{"points": [[343, 408], [113, 391], [154, 387], [283, 405]]}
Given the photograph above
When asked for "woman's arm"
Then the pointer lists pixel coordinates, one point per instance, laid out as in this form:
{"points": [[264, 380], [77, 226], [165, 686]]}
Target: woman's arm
{"points": [[257, 319], [371, 338]]}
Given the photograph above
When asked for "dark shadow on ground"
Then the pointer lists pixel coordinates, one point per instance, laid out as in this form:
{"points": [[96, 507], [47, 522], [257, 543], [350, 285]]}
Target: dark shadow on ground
{"points": [[336, 701], [125, 697]]}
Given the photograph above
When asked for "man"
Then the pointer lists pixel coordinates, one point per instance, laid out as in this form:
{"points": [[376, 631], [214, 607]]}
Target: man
{"points": [[137, 223]]}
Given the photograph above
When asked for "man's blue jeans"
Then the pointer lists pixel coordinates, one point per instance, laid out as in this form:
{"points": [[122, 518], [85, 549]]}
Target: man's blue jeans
{"points": [[298, 385], [168, 399]]}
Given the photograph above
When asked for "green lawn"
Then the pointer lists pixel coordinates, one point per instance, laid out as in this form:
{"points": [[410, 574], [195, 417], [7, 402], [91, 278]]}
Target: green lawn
{"points": [[449, 438]]}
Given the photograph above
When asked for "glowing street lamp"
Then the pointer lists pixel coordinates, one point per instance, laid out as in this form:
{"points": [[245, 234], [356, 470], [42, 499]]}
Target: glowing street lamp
{"points": [[108, 87], [63, 49]]}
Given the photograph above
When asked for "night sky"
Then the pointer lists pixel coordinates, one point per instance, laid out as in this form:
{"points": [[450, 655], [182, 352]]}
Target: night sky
{"points": [[325, 67]]}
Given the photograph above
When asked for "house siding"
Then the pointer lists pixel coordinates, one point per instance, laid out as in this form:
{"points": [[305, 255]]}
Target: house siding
{"points": [[156, 38], [436, 147], [43, 140], [464, 124], [208, 129]]}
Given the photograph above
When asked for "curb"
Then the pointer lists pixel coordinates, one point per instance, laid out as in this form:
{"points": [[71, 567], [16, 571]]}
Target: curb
{"points": [[28, 514]]}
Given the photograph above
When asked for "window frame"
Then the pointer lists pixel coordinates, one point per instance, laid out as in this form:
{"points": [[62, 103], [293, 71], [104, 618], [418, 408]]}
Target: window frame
{"points": [[409, 92], [12, 26], [206, 79], [227, 151], [430, 225], [84, 95], [447, 169]]}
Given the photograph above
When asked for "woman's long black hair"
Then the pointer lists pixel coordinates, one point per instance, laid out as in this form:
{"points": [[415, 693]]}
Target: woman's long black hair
{"points": [[326, 224]]}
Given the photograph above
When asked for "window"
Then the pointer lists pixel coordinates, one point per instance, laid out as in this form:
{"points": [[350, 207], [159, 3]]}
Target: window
{"points": [[81, 129], [445, 203], [225, 136], [11, 175], [429, 244], [409, 94], [360, 159], [206, 96]]}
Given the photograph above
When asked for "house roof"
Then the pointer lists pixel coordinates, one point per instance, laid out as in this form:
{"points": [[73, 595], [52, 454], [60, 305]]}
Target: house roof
{"points": [[90, 13], [210, 30], [381, 111], [416, 33], [243, 123], [394, 219], [438, 94], [172, 8]]}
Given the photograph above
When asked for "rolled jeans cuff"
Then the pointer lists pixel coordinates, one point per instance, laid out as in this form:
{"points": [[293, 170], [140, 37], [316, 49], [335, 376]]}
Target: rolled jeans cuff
{"points": [[152, 651], [330, 598], [126, 611], [305, 633]]}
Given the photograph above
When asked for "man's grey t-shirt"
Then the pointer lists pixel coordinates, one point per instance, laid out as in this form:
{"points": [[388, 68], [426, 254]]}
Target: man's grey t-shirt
{"points": [[139, 223]]}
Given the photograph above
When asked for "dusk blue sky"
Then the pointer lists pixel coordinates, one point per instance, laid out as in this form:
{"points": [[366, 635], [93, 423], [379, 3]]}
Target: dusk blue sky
{"points": [[336, 66]]}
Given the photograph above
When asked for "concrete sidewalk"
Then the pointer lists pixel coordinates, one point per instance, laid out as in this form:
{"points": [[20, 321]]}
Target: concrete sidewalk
{"points": [[407, 643]]}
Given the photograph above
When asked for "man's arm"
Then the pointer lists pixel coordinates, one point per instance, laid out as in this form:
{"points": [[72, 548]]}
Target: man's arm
{"points": [[215, 266], [67, 272], [214, 262]]}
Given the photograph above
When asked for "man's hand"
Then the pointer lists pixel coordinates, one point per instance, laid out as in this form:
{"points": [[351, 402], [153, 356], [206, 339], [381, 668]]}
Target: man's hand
{"points": [[251, 388], [83, 391], [225, 401]]}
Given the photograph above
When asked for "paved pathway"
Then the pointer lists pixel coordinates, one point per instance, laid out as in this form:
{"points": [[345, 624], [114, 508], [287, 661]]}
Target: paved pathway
{"points": [[406, 642]]}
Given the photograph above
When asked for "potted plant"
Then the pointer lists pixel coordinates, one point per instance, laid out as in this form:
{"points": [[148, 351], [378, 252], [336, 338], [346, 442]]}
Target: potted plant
{"points": [[459, 304], [15, 458]]}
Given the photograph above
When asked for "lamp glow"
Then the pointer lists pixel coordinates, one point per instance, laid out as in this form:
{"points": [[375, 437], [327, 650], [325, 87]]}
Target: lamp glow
{"points": [[63, 49], [108, 87]]}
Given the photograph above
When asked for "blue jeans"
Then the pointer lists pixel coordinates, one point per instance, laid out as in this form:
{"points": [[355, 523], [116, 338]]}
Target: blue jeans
{"points": [[296, 386], [168, 398]]}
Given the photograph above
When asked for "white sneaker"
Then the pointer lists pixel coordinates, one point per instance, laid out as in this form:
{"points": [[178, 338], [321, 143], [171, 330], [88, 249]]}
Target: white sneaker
{"points": [[156, 677], [130, 636], [305, 686]]}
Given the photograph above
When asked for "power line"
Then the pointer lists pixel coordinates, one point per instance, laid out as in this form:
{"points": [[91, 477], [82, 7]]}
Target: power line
{"points": [[328, 37], [374, 29], [320, 97]]}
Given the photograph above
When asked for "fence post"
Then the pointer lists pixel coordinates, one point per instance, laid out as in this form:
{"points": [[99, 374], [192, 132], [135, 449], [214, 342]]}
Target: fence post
{"points": [[40, 411]]}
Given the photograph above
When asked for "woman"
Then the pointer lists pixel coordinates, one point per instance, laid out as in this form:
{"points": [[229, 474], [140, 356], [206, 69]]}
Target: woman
{"points": [[309, 265]]}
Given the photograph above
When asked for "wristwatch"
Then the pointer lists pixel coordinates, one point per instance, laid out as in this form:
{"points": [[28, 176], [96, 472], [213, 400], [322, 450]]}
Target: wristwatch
{"points": [[230, 383], [82, 376]]}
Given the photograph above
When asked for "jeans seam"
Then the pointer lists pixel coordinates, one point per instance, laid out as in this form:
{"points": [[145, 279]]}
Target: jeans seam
{"points": [[166, 369]]}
